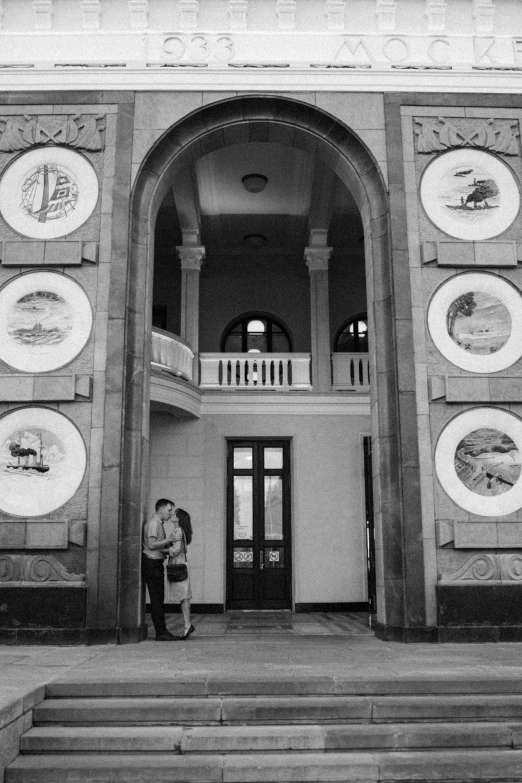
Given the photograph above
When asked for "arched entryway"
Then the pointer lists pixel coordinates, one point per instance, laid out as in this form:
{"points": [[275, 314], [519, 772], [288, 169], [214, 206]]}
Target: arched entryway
{"points": [[300, 126]]}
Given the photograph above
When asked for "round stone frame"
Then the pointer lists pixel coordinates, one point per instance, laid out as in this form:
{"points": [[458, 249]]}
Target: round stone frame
{"points": [[493, 223], [28, 495], [45, 358], [449, 439], [20, 169], [460, 284]]}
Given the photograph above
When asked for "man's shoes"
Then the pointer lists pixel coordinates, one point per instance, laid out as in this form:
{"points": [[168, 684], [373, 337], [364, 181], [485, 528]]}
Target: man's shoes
{"points": [[166, 636], [186, 635]]}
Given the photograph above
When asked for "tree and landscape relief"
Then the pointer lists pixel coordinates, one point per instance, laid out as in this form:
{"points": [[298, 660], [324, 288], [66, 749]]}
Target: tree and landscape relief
{"points": [[478, 322], [469, 192]]}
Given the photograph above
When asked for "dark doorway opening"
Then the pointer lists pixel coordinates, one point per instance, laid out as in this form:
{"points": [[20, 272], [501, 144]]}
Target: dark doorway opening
{"points": [[259, 567], [370, 526]]}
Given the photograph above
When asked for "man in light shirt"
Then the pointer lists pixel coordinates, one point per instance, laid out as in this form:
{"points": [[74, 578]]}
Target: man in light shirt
{"points": [[155, 548]]}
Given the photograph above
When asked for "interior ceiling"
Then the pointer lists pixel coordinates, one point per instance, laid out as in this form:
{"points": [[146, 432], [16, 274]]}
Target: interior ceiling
{"points": [[300, 196]]}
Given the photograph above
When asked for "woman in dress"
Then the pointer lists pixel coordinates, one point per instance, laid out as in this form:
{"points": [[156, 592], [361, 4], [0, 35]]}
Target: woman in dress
{"points": [[180, 591]]}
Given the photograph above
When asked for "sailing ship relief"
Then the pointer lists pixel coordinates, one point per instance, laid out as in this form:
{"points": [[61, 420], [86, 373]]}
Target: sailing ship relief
{"points": [[49, 193], [40, 318], [32, 453]]}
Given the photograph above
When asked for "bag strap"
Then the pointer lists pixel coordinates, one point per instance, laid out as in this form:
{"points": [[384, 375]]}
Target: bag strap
{"points": [[185, 545], [171, 557]]}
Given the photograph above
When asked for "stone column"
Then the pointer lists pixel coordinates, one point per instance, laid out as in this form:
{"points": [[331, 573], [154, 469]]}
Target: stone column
{"points": [[317, 262], [191, 258]]}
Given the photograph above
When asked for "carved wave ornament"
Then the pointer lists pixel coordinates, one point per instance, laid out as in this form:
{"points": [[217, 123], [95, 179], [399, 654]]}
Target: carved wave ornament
{"points": [[442, 134], [500, 568], [78, 131], [35, 568]]}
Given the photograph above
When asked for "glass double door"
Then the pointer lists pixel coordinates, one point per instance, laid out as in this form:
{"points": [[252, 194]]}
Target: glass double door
{"points": [[259, 574]]}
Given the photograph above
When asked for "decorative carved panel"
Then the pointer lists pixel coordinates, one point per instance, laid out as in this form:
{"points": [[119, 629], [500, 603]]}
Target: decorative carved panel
{"points": [[81, 131], [35, 568], [435, 135], [499, 568]]}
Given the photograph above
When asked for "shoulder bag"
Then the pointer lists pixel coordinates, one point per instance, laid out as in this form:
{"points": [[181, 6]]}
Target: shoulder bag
{"points": [[178, 572]]}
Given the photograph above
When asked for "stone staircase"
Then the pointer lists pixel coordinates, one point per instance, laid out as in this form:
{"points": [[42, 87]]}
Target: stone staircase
{"points": [[321, 729]]}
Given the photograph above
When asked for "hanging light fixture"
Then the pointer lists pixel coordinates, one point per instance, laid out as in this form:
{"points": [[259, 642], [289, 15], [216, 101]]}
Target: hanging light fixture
{"points": [[254, 240], [254, 183]]}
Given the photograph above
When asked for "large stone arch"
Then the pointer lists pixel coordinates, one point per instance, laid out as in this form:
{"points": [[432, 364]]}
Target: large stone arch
{"points": [[286, 121]]}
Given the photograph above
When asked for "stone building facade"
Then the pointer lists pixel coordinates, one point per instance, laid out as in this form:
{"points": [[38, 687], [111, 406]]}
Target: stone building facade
{"points": [[261, 256]]}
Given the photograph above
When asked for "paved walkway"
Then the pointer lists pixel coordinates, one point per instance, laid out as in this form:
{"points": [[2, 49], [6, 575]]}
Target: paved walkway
{"points": [[259, 645]]}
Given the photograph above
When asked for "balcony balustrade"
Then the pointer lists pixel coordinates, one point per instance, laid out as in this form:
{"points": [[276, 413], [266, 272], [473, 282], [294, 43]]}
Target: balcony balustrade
{"points": [[351, 372], [171, 353], [255, 371]]}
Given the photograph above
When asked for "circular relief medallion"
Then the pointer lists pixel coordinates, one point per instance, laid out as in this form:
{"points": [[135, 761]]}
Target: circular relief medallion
{"points": [[478, 460], [45, 321], [474, 320], [470, 194], [48, 192], [42, 461]]}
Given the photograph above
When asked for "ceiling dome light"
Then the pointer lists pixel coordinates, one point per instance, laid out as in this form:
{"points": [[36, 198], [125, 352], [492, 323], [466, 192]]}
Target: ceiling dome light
{"points": [[254, 183], [254, 240]]}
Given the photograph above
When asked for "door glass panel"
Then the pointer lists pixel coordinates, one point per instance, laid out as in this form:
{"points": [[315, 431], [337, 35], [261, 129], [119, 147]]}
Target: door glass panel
{"points": [[274, 557], [243, 458], [243, 557], [273, 508], [273, 457], [243, 508]]}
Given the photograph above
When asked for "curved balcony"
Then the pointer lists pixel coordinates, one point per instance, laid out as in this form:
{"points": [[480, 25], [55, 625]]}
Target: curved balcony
{"points": [[171, 387], [171, 354]]}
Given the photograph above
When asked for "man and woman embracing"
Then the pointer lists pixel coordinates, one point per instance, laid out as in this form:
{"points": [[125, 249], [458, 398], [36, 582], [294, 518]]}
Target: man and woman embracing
{"points": [[156, 547]]}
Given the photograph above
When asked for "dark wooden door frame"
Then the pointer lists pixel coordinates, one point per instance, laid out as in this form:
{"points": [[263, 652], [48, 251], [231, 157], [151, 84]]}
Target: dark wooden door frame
{"points": [[259, 542]]}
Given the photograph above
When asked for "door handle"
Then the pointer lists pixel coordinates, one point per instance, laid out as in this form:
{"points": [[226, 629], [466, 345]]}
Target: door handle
{"points": [[261, 560]]}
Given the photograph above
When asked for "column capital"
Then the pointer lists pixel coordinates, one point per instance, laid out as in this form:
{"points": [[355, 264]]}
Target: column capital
{"points": [[317, 258], [191, 257]]}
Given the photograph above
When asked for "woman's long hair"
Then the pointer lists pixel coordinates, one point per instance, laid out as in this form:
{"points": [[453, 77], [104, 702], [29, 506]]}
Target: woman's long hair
{"points": [[184, 523]]}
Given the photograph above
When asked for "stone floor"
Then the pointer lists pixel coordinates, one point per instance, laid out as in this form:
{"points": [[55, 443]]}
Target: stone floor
{"points": [[234, 623], [267, 644]]}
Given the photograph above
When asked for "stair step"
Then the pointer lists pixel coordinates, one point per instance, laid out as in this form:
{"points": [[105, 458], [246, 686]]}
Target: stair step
{"points": [[277, 686], [128, 711], [241, 739], [135, 768], [346, 737], [274, 710], [478, 765], [102, 739]]}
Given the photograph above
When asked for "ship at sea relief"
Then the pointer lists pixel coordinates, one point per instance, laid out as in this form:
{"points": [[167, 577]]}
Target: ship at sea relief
{"points": [[40, 318], [49, 193], [30, 453], [469, 193], [478, 322], [488, 462]]}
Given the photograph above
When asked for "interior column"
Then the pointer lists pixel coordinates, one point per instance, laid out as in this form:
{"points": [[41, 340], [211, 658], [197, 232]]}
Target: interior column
{"points": [[317, 262], [191, 259]]}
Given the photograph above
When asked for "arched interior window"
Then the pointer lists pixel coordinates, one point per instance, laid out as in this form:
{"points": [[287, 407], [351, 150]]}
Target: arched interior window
{"points": [[256, 334], [353, 336]]}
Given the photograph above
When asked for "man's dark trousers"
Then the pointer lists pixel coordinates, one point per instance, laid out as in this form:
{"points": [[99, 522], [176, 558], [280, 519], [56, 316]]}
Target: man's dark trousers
{"points": [[153, 573]]}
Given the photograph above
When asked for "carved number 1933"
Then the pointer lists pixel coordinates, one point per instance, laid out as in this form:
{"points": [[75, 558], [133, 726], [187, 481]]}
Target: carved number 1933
{"points": [[198, 48]]}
